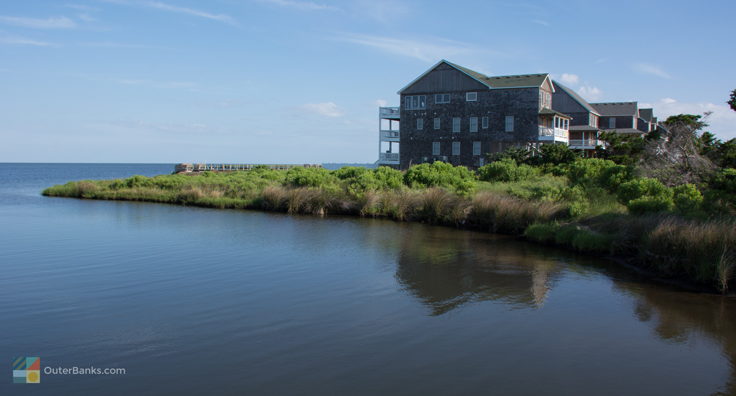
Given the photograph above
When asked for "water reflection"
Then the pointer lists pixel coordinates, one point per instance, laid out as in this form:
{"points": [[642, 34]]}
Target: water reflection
{"points": [[683, 318], [448, 269]]}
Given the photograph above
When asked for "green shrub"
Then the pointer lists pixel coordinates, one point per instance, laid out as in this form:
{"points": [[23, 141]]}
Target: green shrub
{"points": [[587, 170], [725, 180], [388, 178], [650, 204], [614, 176], [639, 188], [309, 177], [506, 170], [687, 198], [440, 174], [541, 232]]}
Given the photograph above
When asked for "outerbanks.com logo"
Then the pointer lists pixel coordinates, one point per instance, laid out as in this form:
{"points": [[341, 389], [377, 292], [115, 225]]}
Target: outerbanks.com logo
{"points": [[27, 370]]}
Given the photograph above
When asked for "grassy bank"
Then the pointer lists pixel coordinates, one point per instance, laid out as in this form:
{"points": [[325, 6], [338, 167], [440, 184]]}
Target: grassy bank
{"points": [[588, 205]]}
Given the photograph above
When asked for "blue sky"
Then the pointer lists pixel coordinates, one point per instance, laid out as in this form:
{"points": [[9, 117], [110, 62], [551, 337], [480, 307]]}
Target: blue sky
{"points": [[300, 81]]}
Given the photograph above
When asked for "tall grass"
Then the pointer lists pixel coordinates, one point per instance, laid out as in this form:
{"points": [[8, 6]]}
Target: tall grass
{"points": [[544, 208]]}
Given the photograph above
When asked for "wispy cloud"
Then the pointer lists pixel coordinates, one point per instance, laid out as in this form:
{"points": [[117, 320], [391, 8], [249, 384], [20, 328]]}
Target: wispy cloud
{"points": [[17, 40], [110, 44], [590, 92], [301, 5], [383, 11], [570, 79], [327, 109], [654, 70], [39, 23], [157, 5], [429, 50], [189, 11], [541, 22], [157, 84]]}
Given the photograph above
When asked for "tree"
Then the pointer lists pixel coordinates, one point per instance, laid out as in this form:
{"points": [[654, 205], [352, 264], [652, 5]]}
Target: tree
{"points": [[732, 101], [676, 156]]}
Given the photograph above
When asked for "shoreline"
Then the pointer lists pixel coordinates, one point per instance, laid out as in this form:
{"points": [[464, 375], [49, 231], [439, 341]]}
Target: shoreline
{"points": [[631, 262]]}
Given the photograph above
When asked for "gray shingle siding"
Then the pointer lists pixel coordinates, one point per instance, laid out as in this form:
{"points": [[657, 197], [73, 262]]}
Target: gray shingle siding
{"points": [[522, 103]]}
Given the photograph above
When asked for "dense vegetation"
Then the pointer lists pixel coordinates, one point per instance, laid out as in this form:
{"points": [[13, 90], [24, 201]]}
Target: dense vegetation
{"points": [[606, 205]]}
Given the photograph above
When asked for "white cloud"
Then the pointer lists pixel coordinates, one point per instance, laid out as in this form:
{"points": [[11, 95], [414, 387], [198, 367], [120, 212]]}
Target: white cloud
{"points": [[327, 109], [301, 5], [175, 9], [590, 93], [16, 40], [541, 22], [38, 23], [381, 102], [189, 11], [651, 69], [430, 50], [570, 79], [722, 119]]}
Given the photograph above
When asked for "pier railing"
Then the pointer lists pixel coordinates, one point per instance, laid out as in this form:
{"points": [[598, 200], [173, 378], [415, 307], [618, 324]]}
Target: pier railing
{"points": [[186, 168]]}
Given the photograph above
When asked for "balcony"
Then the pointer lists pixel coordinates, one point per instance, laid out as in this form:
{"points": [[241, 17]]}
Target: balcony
{"points": [[388, 158], [585, 143], [389, 136], [389, 113], [548, 134]]}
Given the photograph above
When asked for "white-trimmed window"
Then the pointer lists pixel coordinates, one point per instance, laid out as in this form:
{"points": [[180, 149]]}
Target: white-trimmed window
{"points": [[415, 102], [567, 125], [476, 148], [484, 122], [455, 148], [456, 124], [473, 124], [593, 120], [612, 122], [436, 123], [441, 98], [471, 97], [435, 148], [420, 124], [509, 124]]}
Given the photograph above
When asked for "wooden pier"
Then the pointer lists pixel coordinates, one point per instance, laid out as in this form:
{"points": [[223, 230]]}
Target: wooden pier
{"points": [[193, 168]]}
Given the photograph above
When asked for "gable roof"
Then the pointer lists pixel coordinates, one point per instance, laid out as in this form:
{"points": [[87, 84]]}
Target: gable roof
{"points": [[576, 97], [646, 114], [617, 108], [497, 82]]}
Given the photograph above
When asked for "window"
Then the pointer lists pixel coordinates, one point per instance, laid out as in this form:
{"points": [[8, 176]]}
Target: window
{"points": [[420, 124], [471, 96], [473, 124], [435, 148], [476, 148], [567, 125], [545, 99], [437, 123], [485, 122], [455, 148], [593, 120], [456, 124], [481, 161], [416, 102], [509, 123], [612, 122], [442, 98]]}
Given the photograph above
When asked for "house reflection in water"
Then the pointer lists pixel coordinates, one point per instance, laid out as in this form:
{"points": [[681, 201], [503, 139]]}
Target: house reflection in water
{"points": [[446, 270]]}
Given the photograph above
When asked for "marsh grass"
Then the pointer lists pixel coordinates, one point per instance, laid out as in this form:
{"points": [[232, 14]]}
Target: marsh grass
{"points": [[543, 208]]}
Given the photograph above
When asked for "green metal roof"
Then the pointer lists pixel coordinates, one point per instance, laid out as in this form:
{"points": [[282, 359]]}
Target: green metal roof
{"points": [[515, 81]]}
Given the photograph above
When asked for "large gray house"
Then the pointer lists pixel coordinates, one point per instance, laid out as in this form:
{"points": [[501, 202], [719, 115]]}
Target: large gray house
{"points": [[457, 115]]}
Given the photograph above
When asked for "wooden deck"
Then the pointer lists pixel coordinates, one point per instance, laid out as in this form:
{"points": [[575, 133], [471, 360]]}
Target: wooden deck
{"points": [[190, 168]]}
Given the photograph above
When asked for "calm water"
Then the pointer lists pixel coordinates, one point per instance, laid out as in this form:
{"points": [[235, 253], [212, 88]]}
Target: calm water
{"points": [[200, 301]]}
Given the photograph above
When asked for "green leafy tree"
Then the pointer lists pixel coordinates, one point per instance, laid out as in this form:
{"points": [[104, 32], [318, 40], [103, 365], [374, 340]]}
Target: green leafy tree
{"points": [[732, 102]]}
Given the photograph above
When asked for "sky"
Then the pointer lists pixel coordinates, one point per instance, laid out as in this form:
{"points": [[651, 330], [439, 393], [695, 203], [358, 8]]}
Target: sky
{"points": [[300, 81]]}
